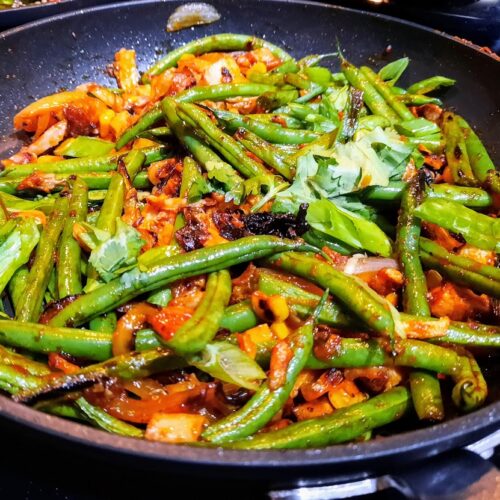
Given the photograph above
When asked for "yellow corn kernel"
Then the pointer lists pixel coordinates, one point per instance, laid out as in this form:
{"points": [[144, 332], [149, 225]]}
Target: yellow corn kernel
{"points": [[270, 308], [345, 394], [259, 67], [143, 143], [104, 121], [260, 334], [48, 159], [120, 123], [279, 308], [280, 329]]}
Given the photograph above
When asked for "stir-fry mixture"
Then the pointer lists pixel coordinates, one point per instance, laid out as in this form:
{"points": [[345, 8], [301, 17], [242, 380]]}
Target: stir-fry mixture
{"points": [[241, 249], [12, 4]]}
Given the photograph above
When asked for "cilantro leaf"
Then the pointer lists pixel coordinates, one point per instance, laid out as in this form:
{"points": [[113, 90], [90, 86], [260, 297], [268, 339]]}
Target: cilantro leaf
{"points": [[118, 253], [348, 227]]}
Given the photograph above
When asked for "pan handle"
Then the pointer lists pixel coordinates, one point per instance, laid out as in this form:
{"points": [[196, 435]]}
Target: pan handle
{"points": [[458, 474]]}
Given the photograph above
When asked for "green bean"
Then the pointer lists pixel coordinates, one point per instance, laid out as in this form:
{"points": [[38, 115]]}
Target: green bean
{"points": [[69, 280], [25, 364], [371, 122], [415, 284], [222, 91], [434, 143], [160, 298], [103, 163], [314, 91], [268, 400], [417, 127], [271, 132], [17, 285], [202, 153], [239, 317], [30, 303], [213, 43], [281, 118], [470, 390], [426, 395], [45, 205], [477, 229], [60, 409], [461, 276], [467, 196], [105, 323], [269, 101], [300, 301], [106, 421], [470, 335], [132, 164], [80, 166], [430, 84], [352, 293], [492, 181], [276, 79], [435, 250], [385, 91], [225, 144], [194, 334], [134, 282], [343, 425], [126, 367], [94, 181], [390, 194], [372, 98], [306, 114], [456, 151], [13, 381], [45, 339], [112, 206], [154, 133], [350, 121], [353, 353], [78, 147], [479, 158], [288, 66], [319, 240], [418, 100], [266, 152], [146, 121]]}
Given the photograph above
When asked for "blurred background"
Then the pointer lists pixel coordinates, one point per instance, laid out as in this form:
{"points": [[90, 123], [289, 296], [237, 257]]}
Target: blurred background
{"points": [[475, 20]]}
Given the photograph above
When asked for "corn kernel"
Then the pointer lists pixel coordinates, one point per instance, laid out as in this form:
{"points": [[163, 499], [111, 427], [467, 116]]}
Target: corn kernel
{"points": [[104, 121], [258, 67], [345, 394], [279, 307], [280, 330], [260, 334]]}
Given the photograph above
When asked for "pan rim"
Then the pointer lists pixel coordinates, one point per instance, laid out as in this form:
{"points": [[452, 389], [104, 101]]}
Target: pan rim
{"points": [[73, 432], [133, 3], [26, 8], [459, 429]]}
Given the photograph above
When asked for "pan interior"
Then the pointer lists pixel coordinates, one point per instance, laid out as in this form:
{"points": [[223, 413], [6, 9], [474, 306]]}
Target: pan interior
{"points": [[82, 44]]}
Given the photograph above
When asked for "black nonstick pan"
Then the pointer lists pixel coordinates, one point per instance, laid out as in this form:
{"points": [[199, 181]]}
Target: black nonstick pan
{"points": [[63, 51]]}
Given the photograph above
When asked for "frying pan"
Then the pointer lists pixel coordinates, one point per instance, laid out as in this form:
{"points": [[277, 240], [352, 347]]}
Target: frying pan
{"points": [[31, 12], [62, 51]]}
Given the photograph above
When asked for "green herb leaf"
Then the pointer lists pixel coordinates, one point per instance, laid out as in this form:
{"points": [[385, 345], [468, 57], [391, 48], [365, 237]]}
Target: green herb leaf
{"points": [[16, 249], [118, 253], [392, 72], [229, 363], [345, 226]]}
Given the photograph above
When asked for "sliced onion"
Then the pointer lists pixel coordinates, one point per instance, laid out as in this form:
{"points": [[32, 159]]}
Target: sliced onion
{"points": [[359, 263], [192, 14]]}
